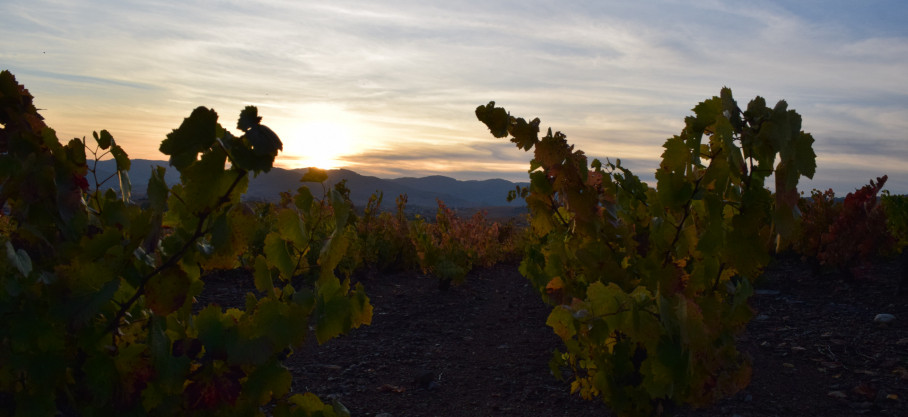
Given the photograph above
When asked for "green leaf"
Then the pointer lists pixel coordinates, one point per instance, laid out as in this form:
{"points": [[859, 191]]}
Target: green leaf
{"points": [[263, 282], [249, 118], [274, 320], [19, 259], [264, 141], [361, 308], [562, 322], [333, 252], [105, 139], [525, 134], [157, 189], [315, 175], [290, 227], [278, 255], [304, 405], [167, 291], [673, 188], [496, 118], [214, 331], [672, 355], [659, 381], [196, 134], [220, 232], [102, 376], [207, 181], [120, 156], [804, 157], [341, 209], [605, 300], [75, 150], [267, 382], [125, 185], [84, 308], [303, 199], [331, 317], [541, 220], [677, 155], [706, 114]]}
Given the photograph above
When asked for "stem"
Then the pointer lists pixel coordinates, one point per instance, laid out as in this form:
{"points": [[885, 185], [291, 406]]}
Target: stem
{"points": [[680, 225], [554, 206], [718, 275], [200, 231]]}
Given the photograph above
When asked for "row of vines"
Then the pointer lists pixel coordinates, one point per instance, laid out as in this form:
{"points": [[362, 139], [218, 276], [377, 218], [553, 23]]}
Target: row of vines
{"points": [[648, 285], [97, 299], [447, 247]]}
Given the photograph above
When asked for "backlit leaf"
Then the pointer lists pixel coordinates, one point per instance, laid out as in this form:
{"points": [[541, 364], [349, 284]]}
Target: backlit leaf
{"points": [[495, 118], [315, 175], [562, 322], [290, 227], [263, 282], [19, 259], [249, 118], [104, 139], [278, 255], [195, 135], [676, 156], [167, 291]]}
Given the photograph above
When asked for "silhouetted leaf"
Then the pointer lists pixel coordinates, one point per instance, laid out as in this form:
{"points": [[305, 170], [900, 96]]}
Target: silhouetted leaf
{"points": [[196, 134], [249, 118], [314, 174]]}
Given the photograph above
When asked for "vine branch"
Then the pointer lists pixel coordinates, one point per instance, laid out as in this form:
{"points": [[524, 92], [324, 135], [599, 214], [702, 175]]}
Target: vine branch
{"points": [[200, 231]]}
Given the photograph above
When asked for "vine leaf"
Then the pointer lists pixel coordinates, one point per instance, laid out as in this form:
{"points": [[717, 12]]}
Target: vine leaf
{"points": [[262, 274], [167, 291], [249, 118], [104, 139], [19, 258], [315, 175], [562, 322], [686, 250], [496, 118], [278, 255], [196, 134]]}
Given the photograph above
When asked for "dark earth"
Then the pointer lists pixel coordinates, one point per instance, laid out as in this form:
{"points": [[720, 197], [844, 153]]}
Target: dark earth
{"points": [[482, 348]]}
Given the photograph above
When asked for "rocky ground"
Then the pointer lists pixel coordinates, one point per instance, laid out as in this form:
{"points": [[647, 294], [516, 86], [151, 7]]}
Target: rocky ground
{"points": [[482, 349]]}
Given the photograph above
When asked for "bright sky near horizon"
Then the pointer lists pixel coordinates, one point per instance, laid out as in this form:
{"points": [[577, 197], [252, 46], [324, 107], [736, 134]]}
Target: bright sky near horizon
{"points": [[388, 88]]}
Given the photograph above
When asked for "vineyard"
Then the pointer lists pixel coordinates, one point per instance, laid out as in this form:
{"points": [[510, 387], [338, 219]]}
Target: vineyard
{"points": [[698, 296]]}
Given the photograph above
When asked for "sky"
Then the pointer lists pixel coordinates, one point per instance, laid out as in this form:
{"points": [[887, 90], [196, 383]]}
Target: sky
{"points": [[389, 88]]}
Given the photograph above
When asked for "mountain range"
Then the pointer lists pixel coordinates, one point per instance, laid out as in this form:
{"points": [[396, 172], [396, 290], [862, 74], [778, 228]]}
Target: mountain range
{"points": [[422, 193]]}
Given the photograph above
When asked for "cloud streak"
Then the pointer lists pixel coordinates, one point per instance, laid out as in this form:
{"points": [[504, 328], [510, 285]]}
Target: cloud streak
{"points": [[618, 78]]}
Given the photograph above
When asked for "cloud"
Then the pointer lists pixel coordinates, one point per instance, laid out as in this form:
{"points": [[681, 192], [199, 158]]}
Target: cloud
{"points": [[617, 77]]}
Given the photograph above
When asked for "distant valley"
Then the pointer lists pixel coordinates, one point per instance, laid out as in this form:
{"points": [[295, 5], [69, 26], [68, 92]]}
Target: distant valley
{"points": [[421, 192]]}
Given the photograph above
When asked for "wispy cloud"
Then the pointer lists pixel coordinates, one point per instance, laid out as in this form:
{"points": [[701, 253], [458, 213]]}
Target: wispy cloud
{"points": [[617, 77]]}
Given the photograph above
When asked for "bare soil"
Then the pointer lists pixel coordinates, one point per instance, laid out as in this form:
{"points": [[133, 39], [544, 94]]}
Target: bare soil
{"points": [[482, 349]]}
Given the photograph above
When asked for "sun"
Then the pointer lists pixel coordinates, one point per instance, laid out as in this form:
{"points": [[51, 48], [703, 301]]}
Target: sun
{"points": [[321, 144]]}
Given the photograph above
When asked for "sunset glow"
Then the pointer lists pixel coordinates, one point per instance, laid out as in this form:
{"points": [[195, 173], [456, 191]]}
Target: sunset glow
{"points": [[321, 135], [321, 144], [389, 88]]}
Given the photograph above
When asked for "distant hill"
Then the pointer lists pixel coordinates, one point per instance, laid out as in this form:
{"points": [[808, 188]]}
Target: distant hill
{"points": [[421, 192]]}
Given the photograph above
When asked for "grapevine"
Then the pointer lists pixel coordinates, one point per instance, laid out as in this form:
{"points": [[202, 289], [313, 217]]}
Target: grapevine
{"points": [[649, 286], [98, 292], [452, 246], [385, 236], [896, 209], [845, 234]]}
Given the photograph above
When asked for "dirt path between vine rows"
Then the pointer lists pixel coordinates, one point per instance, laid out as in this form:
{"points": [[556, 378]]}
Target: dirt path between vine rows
{"points": [[482, 349]]}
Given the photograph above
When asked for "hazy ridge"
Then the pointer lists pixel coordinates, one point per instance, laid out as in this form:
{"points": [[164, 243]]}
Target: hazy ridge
{"points": [[421, 192]]}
